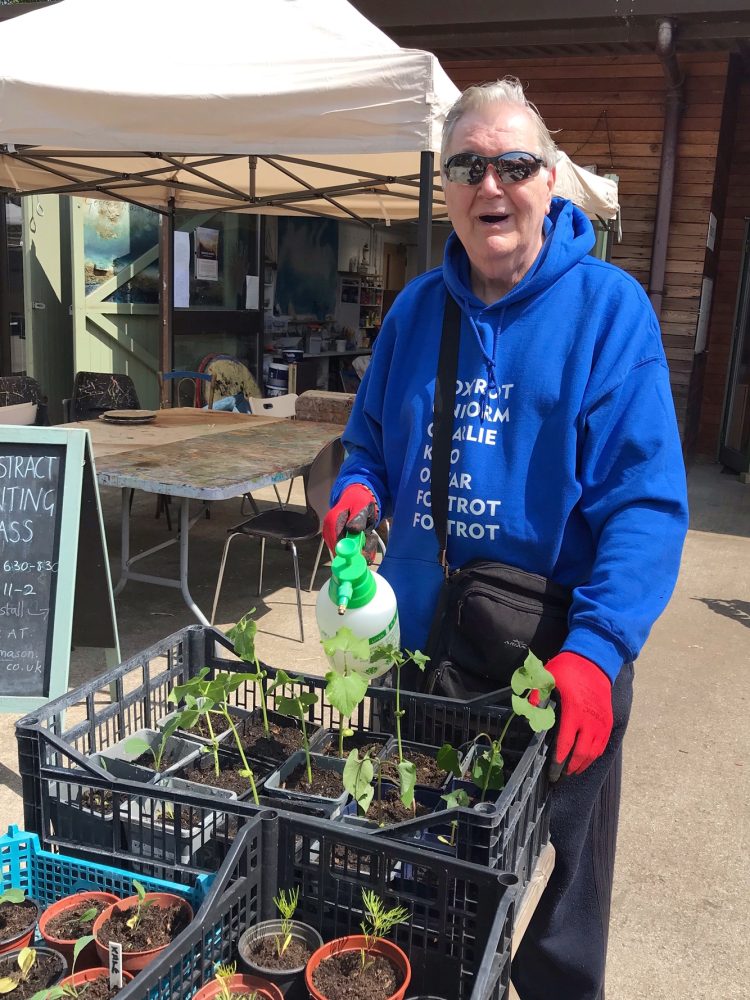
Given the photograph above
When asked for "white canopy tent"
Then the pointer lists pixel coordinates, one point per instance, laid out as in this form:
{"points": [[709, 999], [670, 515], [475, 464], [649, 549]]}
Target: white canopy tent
{"points": [[280, 107]]}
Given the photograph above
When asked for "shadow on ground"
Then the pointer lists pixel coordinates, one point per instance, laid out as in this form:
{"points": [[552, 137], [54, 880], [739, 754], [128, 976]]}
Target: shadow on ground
{"points": [[738, 611]]}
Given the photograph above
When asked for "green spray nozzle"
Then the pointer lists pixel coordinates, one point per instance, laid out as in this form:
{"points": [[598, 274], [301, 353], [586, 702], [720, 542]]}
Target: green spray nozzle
{"points": [[352, 584]]}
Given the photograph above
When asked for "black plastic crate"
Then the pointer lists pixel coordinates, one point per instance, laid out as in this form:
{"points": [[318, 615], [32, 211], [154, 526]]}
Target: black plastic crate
{"points": [[54, 744], [458, 937]]}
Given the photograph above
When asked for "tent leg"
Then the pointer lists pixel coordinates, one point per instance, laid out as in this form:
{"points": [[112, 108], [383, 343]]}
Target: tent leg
{"points": [[166, 296], [424, 232]]}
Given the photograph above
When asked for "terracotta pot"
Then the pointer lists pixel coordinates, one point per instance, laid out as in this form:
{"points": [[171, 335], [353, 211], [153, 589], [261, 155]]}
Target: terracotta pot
{"points": [[291, 982], [20, 940], [134, 961], [355, 942], [88, 957], [242, 984], [89, 975]]}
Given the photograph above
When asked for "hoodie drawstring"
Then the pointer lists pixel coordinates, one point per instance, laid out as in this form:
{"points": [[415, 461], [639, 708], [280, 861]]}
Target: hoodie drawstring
{"points": [[489, 361]]}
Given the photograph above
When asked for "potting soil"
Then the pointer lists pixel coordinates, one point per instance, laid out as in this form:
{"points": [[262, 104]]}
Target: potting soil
{"points": [[15, 918], [68, 926], [99, 989], [428, 772], [264, 954], [228, 778], [282, 742], [44, 972], [332, 749], [325, 783], [96, 801], [342, 977], [390, 809], [157, 928]]}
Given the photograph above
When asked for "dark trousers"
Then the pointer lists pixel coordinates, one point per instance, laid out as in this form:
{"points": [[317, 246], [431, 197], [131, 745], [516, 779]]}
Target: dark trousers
{"points": [[563, 953]]}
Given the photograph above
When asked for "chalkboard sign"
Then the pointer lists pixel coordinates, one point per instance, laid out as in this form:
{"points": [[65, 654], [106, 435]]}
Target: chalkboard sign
{"points": [[46, 480]]}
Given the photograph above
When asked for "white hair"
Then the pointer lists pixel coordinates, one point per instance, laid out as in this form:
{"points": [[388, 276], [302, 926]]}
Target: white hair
{"points": [[509, 90]]}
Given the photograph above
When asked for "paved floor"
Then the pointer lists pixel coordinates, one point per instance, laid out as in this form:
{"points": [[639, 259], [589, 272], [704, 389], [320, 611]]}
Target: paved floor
{"points": [[680, 917]]}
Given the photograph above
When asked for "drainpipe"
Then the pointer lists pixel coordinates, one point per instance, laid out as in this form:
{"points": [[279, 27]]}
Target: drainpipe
{"points": [[674, 104]]}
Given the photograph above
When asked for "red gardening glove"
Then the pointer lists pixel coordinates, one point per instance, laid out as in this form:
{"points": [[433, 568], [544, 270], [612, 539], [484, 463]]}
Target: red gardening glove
{"points": [[356, 510], [585, 695]]}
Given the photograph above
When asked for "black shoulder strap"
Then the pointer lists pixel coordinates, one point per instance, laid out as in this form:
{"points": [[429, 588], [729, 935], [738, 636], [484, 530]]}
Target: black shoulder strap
{"points": [[442, 422]]}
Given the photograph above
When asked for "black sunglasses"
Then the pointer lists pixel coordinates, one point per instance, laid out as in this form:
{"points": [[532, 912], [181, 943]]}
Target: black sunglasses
{"points": [[470, 168]]}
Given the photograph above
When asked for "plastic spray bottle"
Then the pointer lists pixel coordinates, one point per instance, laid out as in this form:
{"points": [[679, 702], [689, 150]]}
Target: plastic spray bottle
{"points": [[360, 600]]}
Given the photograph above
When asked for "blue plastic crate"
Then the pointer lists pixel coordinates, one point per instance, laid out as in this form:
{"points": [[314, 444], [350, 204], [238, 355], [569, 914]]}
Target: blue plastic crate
{"points": [[47, 877]]}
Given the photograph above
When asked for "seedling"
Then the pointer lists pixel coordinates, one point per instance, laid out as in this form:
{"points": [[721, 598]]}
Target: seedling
{"points": [[378, 922], [56, 992], [346, 689], [398, 659], [487, 770], [359, 773], [25, 962], [222, 974], [204, 698], [137, 746], [242, 637], [141, 907], [14, 896], [296, 706], [286, 905]]}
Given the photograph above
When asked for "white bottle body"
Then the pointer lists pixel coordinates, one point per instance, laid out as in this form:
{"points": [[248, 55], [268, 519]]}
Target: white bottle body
{"points": [[376, 621]]}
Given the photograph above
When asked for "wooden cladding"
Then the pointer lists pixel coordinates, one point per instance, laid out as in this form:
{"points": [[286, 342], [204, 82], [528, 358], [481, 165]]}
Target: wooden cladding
{"points": [[732, 229], [609, 111]]}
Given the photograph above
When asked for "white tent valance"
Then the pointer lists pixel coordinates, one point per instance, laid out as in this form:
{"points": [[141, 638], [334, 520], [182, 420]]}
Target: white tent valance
{"points": [[279, 107]]}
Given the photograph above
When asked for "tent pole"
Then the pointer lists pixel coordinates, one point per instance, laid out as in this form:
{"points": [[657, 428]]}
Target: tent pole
{"points": [[5, 354], [424, 232], [166, 298]]}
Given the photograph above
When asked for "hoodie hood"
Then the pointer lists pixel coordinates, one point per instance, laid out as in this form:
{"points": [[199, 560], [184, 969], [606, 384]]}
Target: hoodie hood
{"points": [[569, 236]]}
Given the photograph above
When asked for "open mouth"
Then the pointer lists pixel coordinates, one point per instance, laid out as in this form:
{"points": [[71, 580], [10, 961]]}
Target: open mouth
{"points": [[492, 219]]}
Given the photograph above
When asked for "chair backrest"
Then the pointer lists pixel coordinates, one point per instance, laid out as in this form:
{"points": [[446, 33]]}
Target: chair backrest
{"points": [[97, 392], [21, 400], [274, 406], [321, 476], [184, 378]]}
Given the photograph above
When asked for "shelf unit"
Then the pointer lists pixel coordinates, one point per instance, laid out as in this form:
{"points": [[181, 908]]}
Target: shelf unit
{"points": [[359, 300]]}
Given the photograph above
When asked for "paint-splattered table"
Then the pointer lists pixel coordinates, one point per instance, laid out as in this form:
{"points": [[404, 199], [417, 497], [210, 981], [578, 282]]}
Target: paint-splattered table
{"points": [[202, 456]]}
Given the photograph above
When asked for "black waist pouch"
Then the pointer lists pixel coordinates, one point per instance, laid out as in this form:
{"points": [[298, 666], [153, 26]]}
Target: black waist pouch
{"points": [[488, 617]]}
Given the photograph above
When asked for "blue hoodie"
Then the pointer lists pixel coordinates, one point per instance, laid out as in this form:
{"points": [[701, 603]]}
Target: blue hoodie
{"points": [[567, 459]]}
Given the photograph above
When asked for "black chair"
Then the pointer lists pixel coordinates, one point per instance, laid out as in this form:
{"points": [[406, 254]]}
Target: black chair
{"points": [[16, 389], [97, 392], [292, 526]]}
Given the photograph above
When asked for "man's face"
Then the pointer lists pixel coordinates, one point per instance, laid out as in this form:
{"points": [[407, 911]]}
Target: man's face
{"points": [[499, 225]]}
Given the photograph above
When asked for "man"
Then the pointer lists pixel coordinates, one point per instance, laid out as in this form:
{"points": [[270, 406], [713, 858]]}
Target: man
{"points": [[566, 463]]}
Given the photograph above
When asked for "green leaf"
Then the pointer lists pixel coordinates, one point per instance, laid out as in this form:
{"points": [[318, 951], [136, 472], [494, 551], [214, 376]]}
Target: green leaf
{"points": [[90, 914], [13, 896], [242, 637], [407, 773], [487, 771], [53, 993], [458, 798], [81, 944], [347, 642], [308, 699], [418, 658], [345, 693], [449, 759], [388, 653], [26, 959], [140, 891], [532, 676], [357, 779], [280, 681], [136, 746], [187, 718], [540, 719], [290, 707]]}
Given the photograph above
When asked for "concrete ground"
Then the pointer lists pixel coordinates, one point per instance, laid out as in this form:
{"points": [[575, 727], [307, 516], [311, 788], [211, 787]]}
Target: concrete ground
{"points": [[680, 912]]}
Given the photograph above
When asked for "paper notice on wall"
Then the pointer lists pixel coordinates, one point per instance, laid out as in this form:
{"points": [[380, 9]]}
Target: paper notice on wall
{"points": [[252, 288], [206, 254], [181, 270]]}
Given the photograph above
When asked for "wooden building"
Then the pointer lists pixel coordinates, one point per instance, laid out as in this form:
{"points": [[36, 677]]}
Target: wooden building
{"points": [[611, 80]]}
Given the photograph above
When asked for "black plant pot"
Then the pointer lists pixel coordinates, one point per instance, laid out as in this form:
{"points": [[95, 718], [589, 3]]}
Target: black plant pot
{"points": [[291, 982]]}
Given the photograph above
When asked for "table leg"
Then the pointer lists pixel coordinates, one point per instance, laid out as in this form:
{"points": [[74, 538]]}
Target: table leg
{"points": [[124, 539], [185, 525]]}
